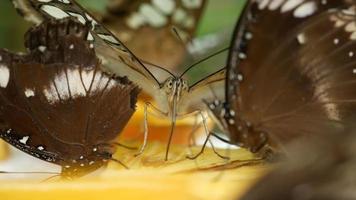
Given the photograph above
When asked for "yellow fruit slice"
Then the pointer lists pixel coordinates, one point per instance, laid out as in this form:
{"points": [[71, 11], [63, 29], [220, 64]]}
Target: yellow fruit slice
{"points": [[149, 177], [3, 150]]}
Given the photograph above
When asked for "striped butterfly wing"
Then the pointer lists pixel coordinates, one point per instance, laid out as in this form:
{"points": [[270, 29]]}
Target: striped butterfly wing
{"points": [[290, 72], [56, 102], [114, 55], [148, 24]]}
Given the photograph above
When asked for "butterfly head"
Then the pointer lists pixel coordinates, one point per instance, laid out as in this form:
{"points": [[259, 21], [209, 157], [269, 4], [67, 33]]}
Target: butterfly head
{"points": [[175, 88]]}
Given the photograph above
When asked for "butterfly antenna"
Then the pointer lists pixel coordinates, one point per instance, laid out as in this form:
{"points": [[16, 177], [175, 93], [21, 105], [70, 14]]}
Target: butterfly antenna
{"points": [[183, 43], [204, 59], [157, 66]]}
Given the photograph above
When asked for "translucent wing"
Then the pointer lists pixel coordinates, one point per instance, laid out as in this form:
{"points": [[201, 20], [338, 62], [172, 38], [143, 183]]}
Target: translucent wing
{"points": [[290, 71], [146, 24], [116, 58], [207, 89]]}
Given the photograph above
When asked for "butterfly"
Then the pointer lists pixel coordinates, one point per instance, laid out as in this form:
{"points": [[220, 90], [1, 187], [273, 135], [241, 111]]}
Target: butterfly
{"points": [[57, 105], [290, 73], [146, 24], [175, 98]]}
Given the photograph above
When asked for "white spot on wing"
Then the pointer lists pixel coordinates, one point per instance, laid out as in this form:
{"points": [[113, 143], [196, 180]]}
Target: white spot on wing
{"points": [[275, 4], [80, 18], [301, 38], [29, 93], [65, 1], [54, 11], [41, 148], [153, 16], [135, 21], [179, 15], [336, 41], [262, 4], [192, 4], [90, 37], [305, 10], [24, 140], [75, 84], [51, 94], [4, 76], [290, 5], [42, 48], [166, 6]]}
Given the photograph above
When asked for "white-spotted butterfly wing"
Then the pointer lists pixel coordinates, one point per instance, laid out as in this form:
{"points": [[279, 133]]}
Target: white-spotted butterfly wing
{"points": [[57, 105], [116, 58], [290, 72], [148, 24]]}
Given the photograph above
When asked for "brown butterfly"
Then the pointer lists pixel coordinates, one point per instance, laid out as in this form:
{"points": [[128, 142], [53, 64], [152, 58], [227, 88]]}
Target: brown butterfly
{"points": [[150, 24], [57, 105], [291, 72]]}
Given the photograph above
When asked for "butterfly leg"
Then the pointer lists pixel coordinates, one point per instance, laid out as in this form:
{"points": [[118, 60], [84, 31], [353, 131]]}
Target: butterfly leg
{"points": [[125, 146], [145, 122], [208, 134], [192, 139], [206, 139], [145, 130]]}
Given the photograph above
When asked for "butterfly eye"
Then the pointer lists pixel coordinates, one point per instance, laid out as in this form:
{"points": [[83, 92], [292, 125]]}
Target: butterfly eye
{"points": [[185, 85], [170, 84]]}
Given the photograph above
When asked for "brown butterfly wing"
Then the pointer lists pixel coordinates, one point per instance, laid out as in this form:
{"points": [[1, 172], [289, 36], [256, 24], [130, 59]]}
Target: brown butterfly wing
{"points": [[115, 57], [68, 105], [275, 82], [153, 39]]}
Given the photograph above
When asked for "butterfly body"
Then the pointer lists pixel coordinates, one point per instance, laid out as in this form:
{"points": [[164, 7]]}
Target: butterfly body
{"points": [[58, 105]]}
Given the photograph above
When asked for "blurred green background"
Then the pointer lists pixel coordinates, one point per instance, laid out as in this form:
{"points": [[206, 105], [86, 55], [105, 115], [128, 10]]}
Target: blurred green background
{"points": [[218, 16]]}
